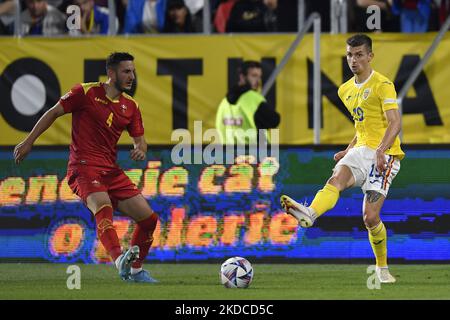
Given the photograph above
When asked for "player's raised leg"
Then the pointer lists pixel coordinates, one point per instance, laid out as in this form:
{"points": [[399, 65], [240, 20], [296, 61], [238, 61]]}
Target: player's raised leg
{"points": [[324, 200], [100, 204], [373, 202], [139, 210]]}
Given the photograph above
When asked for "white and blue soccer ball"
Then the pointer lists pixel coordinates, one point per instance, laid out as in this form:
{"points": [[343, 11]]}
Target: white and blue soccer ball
{"points": [[236, 272]]}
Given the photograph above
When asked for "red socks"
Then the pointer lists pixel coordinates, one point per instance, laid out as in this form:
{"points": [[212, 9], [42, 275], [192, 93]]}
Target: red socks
{"points": [[143, 237], [106, 232]]}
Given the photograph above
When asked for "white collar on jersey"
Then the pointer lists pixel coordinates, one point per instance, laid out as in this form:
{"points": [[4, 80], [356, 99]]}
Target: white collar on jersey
{"points": [[359, 85]]}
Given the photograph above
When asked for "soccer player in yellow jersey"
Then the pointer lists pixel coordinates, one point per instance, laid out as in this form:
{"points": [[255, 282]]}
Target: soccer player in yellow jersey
{"points": [[371, 160]]}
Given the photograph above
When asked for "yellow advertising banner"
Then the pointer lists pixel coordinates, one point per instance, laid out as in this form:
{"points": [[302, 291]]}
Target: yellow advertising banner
{"points": [[182, 79]]}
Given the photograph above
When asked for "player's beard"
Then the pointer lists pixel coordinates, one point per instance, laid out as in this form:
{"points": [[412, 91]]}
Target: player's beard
{"points": [[118, 86]]}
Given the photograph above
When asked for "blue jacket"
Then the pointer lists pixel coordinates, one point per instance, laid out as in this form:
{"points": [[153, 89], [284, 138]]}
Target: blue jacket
{"points": [[135, 10], [423, 6], [101, 18]]}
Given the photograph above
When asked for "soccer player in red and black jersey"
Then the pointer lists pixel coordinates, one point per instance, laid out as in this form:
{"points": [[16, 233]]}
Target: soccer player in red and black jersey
{"points": [[100, 113]]}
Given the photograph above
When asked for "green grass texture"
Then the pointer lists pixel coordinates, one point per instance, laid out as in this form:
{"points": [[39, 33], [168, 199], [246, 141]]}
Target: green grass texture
{"points": [[202, 282]]}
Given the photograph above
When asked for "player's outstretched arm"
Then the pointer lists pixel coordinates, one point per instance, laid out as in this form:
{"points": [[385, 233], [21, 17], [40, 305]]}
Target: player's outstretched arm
{"points": [[393, 129], [23, 148], [140, 149], [338, 156]]}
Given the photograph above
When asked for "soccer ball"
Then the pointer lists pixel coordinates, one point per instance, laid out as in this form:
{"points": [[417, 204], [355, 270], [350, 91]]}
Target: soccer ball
{"points": [[236, 272]]}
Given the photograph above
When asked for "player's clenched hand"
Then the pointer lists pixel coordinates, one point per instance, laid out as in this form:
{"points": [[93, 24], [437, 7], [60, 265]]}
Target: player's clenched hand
{"points": [[21, 151], [137, 154], [338, 156], [381, 161]]}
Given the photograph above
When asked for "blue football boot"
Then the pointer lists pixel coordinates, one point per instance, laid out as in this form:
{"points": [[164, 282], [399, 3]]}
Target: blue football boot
{"points": [[142, 276]]}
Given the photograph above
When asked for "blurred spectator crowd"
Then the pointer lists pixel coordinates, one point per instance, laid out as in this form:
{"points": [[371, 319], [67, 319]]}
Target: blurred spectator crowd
{"points": [[48, 17]]}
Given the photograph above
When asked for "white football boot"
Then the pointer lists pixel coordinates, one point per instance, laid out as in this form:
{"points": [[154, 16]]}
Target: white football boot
{"points": [[304, 215], [384, 276]]}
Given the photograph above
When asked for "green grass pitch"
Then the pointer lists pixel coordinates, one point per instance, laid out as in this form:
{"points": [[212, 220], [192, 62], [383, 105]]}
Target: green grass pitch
{"points": [[201, 281]]}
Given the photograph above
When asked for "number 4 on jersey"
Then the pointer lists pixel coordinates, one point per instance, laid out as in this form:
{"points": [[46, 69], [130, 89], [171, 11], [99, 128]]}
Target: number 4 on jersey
{"points": [[109, 120]]}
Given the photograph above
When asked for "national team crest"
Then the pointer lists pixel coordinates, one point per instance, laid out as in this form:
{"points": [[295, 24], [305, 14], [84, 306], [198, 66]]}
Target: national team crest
{"points": [[366, 93], [123, 108]]}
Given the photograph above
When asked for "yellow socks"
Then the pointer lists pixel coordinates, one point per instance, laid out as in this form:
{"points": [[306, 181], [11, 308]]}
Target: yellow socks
{"points": [[325, 199], [378, 239]]}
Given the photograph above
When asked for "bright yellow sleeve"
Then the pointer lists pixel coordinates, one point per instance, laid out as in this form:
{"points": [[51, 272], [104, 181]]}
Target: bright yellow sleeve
{"points": [[340, 93], [387, 96]]}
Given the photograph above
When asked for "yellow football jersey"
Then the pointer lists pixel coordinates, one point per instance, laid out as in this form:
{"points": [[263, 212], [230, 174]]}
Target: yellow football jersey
{"points": [[367, 103]]}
